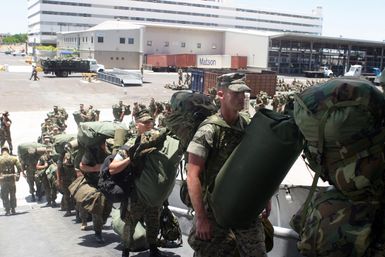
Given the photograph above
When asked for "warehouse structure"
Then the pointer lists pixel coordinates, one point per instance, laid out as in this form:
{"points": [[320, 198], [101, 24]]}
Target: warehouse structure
{"points": [[126, 45], [47, 17]]}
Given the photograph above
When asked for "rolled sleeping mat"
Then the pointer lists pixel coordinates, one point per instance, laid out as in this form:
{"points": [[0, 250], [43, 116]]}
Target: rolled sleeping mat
{"points": [[255, 169]]}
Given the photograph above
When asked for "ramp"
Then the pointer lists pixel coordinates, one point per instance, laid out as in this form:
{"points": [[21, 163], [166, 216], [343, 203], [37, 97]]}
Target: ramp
{"points": [[121, 78]]}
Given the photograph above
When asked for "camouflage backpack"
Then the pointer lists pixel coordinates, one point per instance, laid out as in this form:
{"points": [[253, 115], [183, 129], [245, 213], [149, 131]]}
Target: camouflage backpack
{"points": [[342, 121], [188, 110]]}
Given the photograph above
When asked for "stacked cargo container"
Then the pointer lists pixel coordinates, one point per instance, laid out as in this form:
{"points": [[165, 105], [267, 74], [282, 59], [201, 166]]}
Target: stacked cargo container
{"points": [[203, 80]]}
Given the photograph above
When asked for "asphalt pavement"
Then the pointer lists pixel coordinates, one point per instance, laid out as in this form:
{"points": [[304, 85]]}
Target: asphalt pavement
{"points": [[39, 231]]}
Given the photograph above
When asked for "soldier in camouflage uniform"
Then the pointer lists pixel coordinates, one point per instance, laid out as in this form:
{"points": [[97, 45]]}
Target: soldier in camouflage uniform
{"points": [[90, 167], [66, 174], [31, 180], [50, 189], [206, 156], [136, 209], [180, 77], [135, 109], [6, 130], [152, 107], [8, 178]]}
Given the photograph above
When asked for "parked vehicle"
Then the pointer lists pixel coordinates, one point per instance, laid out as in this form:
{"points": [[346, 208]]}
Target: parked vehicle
{"points": [[323, 72], [356, 71], [17, 53], [64, 67]]}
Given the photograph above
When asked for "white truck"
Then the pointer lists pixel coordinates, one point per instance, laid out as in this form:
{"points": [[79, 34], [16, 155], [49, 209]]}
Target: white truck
{"points": [[356, 71], [323, 72]]}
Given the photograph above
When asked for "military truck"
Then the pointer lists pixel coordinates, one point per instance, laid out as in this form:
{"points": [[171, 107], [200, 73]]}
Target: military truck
{"points": [[65, 67]]}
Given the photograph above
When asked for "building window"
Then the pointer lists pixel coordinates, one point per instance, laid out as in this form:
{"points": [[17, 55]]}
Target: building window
{"points": [[112, 58], [130, 41], [122, 58], [100, 39], [149, 43], [122, 40], [199, 45], [92, 39], [166, 44], [86, 39], [117, 58], [183, 44]]}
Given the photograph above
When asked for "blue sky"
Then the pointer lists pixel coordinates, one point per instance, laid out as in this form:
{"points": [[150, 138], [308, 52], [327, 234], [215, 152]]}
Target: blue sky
{"points": [[354, 19]]}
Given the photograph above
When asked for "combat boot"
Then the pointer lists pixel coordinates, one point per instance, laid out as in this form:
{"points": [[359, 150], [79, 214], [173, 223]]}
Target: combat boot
{"points": [[33, 199], [98, 237], [13, 211], [154, 252], [53, 204], [126, 252], [48, 204], [67, 214], [7, 213]]}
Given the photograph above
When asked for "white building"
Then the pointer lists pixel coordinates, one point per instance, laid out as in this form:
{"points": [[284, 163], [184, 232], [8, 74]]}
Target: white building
{"points": [[46, 17], [123, 44]]}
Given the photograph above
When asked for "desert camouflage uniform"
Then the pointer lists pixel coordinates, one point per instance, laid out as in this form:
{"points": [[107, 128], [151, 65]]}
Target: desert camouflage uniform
{"points": [[250, 241], [8, 177]]}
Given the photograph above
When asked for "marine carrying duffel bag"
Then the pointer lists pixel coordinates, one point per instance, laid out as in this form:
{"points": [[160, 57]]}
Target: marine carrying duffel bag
{"points": [[254, 170], [157, 179]]}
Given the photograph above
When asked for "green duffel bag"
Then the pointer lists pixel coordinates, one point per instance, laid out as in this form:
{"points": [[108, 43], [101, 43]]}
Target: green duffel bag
{"points": [[254, 170], [138, 241], [93, 133], [88, 196], [61, 140], [30, 153], [157, 178]]}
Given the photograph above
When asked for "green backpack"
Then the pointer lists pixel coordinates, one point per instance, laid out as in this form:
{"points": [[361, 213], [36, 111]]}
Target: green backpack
{"points": [[188, 110], [342, 121]]}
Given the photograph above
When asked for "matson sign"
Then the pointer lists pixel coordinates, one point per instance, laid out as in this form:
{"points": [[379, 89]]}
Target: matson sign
{"points": [[214, 61]]}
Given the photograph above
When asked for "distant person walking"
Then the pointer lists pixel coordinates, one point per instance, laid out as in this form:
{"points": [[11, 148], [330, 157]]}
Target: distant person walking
{"points": [[34, 74], [5, 131]]}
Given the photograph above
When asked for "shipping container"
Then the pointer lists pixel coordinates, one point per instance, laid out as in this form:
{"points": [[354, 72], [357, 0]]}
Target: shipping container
{"points": [[238, 62], [264, 81], [161, 62], [196, 80], [185, 60]]}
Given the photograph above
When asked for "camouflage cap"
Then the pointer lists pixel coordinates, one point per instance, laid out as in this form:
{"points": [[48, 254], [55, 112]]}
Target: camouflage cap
{"points": [[233, 81], [143, 115]]}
